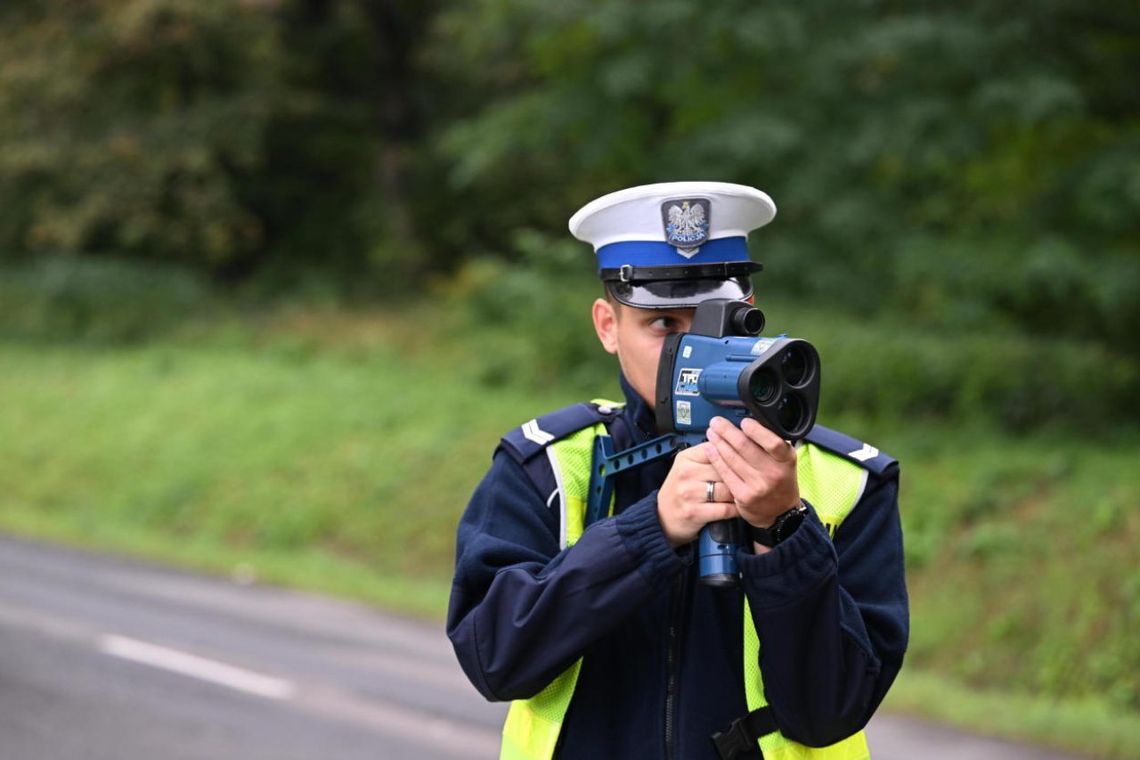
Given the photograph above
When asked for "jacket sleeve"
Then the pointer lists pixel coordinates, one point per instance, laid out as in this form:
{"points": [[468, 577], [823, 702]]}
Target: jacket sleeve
{"points": [[521, 610], [832, 618]]}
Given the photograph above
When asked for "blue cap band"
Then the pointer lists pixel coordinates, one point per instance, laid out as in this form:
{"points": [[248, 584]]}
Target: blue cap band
{"points": [[648, 253]]}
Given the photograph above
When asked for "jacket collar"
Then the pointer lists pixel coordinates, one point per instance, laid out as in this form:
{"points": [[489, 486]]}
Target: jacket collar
{"points": [[642, 419]]}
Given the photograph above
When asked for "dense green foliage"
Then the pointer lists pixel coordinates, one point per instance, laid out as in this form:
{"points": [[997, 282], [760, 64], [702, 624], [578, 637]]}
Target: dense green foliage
{"points": [[967, 171], [129, 127], [968, 166], [236, 138]]}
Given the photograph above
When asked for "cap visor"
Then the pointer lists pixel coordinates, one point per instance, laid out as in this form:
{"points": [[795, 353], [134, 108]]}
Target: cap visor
{"points": [[679, 294]]}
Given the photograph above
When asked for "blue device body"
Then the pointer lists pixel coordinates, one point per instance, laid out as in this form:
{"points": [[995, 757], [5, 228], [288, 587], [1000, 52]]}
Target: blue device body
{"points": [[706, 379]]}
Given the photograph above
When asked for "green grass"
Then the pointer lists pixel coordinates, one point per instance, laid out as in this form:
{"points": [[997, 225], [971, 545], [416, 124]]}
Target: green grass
{"points": [[1088, 726], [335, 452], [341, 467], [1025, 591]]}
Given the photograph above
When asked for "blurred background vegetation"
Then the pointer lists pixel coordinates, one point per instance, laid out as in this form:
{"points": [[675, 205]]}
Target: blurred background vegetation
{"points": [[264, 263]]}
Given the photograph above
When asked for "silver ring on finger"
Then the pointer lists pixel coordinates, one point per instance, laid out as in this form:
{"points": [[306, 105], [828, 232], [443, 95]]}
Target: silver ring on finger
{"points": [[710, 490]]}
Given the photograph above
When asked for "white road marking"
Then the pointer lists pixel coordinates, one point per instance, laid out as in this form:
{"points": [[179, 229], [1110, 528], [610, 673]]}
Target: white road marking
{"points": [[194, 666], [392, 650]]}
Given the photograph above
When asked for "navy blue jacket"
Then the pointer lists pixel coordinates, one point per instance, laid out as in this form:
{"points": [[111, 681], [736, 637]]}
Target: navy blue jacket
{"points": [[661, 649]]}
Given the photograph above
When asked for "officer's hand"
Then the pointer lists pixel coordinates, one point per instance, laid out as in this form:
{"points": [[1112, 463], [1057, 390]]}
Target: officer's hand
{"points": [[683, 507], [758, 466]]}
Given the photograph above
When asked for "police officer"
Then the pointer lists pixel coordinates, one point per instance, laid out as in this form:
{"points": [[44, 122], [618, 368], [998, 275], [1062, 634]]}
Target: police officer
{"points": [[604, 640]]}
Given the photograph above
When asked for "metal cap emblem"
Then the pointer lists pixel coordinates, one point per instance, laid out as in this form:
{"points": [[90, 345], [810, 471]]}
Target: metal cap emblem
{"points": [[686, 224]]}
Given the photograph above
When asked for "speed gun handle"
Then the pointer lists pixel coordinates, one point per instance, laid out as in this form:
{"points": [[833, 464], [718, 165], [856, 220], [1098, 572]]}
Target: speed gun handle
{"points": [[718, 541]]}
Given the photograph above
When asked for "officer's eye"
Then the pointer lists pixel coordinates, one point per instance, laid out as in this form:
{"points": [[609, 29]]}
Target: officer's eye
{"points": [[664, 325]]}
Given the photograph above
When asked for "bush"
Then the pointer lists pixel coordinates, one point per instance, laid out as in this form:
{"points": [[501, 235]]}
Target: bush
{"points": [[96, 299], [1017, 382], [533, 314]]}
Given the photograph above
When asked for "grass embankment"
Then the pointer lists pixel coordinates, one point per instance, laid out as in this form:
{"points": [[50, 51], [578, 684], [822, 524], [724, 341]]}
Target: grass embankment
{"points": [[335, 463], [335, 453]]}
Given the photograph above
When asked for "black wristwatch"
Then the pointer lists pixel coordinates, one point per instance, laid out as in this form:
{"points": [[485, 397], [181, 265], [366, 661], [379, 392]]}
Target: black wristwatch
{"points": [[784, 526]]}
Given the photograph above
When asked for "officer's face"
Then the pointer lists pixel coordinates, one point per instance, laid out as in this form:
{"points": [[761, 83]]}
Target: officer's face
{"points": [[636, 335]]}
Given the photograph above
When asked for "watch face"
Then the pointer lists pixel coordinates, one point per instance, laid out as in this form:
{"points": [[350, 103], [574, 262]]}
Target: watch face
{"points": [[787, 524]]}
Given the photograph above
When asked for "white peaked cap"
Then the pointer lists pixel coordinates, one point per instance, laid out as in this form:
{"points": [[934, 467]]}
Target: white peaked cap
{"points": [[635, 214]]}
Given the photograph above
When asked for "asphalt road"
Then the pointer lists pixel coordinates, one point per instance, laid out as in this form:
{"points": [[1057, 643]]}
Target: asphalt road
{"points": [[109, 659]]}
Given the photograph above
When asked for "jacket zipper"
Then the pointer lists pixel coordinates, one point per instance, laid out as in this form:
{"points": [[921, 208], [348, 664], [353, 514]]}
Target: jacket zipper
{"points": [[672, 660]]}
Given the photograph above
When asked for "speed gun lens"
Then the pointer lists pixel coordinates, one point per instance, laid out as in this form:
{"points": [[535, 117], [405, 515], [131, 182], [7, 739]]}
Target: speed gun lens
{"points": [[795, 366], [763, 386], [791, 414]]}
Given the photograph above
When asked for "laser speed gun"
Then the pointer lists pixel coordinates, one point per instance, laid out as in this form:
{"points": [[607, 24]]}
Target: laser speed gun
{"points": [[721, 367]]}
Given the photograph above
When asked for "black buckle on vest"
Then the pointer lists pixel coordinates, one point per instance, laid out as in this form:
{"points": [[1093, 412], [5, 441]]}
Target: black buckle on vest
{"points": [[744, 732]]}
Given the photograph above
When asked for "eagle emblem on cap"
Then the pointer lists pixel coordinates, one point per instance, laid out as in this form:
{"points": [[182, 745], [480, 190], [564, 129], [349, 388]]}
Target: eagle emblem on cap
{"points": [[686, 224]]}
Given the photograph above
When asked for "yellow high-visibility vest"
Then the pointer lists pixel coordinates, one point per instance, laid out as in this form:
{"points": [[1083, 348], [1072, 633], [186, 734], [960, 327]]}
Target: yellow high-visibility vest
{"points": [[831, 484]]}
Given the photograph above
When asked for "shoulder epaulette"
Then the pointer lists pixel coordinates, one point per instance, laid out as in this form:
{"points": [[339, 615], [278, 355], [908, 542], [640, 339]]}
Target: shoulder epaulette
{"points": [[853, 450], [535, 435]]}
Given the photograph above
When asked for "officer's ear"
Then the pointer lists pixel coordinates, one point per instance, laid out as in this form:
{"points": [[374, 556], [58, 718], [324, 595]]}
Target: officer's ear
{"points": [[606, 323]]}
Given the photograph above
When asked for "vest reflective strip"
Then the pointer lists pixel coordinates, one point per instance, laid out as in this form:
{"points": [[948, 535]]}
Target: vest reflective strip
{"points": [[833, 486], [563, 529]]}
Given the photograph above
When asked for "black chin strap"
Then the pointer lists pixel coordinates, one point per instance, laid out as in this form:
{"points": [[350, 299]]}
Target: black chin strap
{"points": [[721, 270], [742, 735]]}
